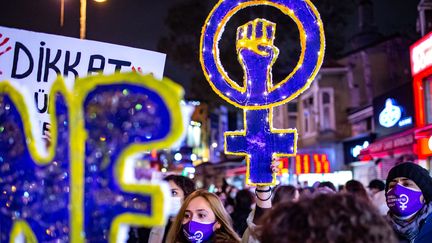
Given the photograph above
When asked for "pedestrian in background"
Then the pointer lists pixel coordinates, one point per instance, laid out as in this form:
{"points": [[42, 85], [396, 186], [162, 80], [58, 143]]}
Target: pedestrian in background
{"points": [[325, 218], [377, 195], [243, 206], [287, 193], [180, 187], [356, 189], [325, 187]]}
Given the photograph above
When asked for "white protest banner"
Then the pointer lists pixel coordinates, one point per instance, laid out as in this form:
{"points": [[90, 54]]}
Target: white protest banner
{"points": [[33, 60]]}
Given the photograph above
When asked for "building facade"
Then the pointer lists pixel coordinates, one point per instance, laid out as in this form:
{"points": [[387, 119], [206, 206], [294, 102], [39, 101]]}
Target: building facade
{"points": [[421, 67]]}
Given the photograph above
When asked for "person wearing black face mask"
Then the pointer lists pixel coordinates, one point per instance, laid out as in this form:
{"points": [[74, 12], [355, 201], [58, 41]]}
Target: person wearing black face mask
{"points": [[409, 196], [180, 188]]}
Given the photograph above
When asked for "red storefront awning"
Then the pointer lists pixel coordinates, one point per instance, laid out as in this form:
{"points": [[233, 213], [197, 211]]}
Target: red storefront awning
{"points": [[399, 144]]}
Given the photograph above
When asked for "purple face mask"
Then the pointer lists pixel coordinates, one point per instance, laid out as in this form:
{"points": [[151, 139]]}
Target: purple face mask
{"points": [[198, 232], [404, 201]]}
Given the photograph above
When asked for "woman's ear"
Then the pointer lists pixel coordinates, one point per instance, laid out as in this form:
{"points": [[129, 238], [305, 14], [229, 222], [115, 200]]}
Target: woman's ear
{"points": [[216, 226], [422, 199]]}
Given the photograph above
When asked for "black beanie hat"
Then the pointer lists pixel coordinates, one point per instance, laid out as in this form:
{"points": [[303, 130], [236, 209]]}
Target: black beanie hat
{"points": [[415, 173]]}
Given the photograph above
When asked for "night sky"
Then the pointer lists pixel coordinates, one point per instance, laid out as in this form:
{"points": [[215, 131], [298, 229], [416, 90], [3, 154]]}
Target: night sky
{"points": [[140, 23], [136, 23]]}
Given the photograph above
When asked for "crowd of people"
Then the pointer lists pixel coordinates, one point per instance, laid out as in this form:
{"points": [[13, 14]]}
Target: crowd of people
{"points": [[397, 210]]}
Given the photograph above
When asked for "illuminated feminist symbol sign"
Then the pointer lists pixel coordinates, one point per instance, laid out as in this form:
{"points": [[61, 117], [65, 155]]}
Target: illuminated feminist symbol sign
{"points": [[259, 141]]}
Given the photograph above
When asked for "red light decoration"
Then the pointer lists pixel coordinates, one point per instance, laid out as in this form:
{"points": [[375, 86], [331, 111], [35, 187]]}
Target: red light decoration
{"points": [[298, 165], [326, 163], [154, 154], [419, 101], [283, 166], [424, 147], [306, 164], [318, 164], [303, 164]]}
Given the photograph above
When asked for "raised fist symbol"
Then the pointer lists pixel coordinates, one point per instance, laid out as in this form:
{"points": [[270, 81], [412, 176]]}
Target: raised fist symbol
{"points": [[256, 52], [254, 44]]}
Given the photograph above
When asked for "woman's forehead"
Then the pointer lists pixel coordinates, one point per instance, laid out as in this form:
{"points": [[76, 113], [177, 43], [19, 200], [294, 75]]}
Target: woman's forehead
{"points": [[173, 185], [198, 203]]}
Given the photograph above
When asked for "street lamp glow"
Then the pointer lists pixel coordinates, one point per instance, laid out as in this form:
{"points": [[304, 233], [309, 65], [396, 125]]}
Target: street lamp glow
{"points": [[61, 13], [190, 170], [83, 17], [178, 156]]}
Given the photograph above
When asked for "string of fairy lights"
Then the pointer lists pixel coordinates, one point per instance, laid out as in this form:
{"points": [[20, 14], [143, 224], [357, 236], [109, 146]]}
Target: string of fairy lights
{"points": [[257, 96]]}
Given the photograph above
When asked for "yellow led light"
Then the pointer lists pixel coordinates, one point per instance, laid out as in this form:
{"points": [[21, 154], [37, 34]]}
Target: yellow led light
{"points": [[247, 39], [269, 84]]}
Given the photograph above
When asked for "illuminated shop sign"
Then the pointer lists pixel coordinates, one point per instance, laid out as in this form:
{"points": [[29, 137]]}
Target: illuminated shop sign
{"points": [[392, 143], [421, 54], [283, 166], [353, 147], [430, 143], [355, 151], [393, 111], [425, 145], [391, 115], [311, 163], [405, 122]]}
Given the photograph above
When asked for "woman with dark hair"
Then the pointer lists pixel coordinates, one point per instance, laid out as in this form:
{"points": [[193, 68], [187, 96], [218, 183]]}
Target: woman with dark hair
{"points": [[202, 218], [227, 195], [285, 194], [325, 187], [180, 188], [325, 218], [356, 189], [242, 207], [409, 195], [180, 185]]}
